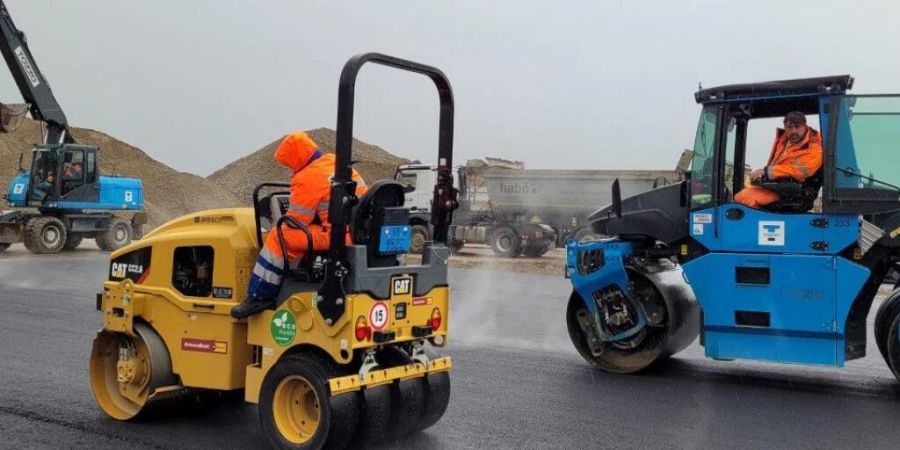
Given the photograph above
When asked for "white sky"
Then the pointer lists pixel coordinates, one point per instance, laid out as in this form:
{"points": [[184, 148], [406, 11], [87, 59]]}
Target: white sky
{"points": [[576, 85]]}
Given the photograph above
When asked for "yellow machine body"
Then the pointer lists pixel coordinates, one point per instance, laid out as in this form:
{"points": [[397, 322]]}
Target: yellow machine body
{"points": [[211, 350]]}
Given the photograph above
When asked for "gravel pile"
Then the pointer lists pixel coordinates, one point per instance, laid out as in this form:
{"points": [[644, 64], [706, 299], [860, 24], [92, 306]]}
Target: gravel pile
{"points": [[241, 176], [167, 193]]}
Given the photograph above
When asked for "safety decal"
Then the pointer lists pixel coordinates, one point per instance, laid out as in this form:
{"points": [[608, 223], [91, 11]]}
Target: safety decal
{"points": [[129, 196], [284, 328], [419, 301], [222, 292], [402, 286], [702, 218], [698, 229], [378, 315], [204, 346], [771, 232], [18, 189]]}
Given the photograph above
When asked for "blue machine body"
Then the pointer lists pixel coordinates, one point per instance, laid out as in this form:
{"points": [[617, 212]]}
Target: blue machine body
{"points": [[766, 293], [111, 193]]}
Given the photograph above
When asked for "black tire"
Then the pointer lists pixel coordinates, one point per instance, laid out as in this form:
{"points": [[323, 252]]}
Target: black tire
{"points": [[338, 415], [506, 242], [3, 247], [72, 241], [892, 346], [455, 246], [116, 236], [437, 397], [45, 235], [887, 311], [536, 251], [420, 234]]}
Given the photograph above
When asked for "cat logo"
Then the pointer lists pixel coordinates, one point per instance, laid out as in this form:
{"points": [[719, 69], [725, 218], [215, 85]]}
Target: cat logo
{"points": [[118, 270], [402, 286]]}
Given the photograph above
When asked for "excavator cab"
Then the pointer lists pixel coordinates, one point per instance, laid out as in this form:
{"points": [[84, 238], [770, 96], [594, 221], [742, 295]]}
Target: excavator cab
{"points": [[789, 283], [62, 172], [347, 355]]}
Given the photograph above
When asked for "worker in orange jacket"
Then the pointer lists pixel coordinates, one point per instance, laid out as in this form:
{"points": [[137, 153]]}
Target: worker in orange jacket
{"points": [[310, 193], [796, 154]]}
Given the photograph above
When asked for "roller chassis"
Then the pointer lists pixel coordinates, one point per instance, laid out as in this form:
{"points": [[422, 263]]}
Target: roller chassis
{"points": [[785, 284]]}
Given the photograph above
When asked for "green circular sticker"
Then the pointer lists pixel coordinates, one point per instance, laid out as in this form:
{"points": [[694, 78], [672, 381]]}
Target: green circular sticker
{"points": [[283, 328]]}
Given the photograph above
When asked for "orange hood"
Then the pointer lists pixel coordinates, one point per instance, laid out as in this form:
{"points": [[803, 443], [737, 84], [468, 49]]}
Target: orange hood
{"points": [[296, 151]]}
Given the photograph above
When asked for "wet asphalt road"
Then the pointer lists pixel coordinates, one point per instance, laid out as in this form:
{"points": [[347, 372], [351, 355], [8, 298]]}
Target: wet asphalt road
{"points": [[517, 382]]}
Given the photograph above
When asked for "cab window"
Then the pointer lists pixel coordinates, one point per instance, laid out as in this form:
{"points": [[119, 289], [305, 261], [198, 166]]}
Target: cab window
{"points": [[868, 136], [192, 269], [703, 164]]}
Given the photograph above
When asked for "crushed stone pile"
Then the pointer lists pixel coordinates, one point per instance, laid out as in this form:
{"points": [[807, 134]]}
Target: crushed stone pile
{"points": [[168, 193], [241, 176]]}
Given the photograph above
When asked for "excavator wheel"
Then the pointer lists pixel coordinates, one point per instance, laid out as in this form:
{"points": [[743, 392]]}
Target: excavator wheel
{"points": [[296, 410], [885, 315], [128, 372], [674, 328], [45, 235], [116, 236]]}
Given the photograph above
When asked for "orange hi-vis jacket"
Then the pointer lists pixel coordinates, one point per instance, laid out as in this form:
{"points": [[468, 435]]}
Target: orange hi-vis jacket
{"points": [[310, 194], [797, 161]]}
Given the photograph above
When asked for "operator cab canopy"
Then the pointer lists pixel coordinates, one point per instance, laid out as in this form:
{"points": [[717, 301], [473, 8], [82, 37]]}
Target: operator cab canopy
{"points": [[859, 171]]}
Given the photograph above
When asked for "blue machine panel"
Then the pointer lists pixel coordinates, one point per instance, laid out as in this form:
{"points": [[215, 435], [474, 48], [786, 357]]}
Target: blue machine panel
{"points": [[610, 270], [115, 193], [737, 228], [18, 187], [782, 308]]}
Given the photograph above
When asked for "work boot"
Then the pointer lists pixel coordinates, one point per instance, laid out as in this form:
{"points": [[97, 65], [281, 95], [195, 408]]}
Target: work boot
{"points": [[250, 306]]}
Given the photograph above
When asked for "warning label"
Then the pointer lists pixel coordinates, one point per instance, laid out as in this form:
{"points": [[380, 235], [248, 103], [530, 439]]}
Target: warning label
{"points": [[204, 346], [771, 232]]}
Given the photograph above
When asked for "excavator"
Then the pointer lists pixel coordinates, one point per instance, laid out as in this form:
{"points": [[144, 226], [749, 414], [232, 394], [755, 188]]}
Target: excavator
{"points": [[63, 198]]}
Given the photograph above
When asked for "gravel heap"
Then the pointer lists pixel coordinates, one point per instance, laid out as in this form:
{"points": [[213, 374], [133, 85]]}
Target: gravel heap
{"points": [[167, 193], [241, 176]]}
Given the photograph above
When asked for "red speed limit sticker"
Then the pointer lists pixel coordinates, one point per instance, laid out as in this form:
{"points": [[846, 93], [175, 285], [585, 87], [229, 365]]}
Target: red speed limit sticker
{"points": [[378, 315]]}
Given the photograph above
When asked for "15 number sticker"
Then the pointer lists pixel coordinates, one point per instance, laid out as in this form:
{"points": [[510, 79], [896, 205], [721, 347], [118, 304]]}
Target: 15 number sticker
{"points": [[378, 315]]}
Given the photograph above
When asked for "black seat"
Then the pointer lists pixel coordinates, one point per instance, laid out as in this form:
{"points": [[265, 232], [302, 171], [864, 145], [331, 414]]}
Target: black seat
{"points": [[795, 197], [381, 205]]}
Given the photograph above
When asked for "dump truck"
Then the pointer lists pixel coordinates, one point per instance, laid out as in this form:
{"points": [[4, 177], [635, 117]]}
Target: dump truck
{"points": [[517, 211]]}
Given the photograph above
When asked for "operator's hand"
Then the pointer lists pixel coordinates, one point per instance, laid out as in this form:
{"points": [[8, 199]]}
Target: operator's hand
{"points": [[757, 175]]}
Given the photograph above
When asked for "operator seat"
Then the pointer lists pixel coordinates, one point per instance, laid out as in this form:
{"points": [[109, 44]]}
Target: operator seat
{"points": [[381, 205], [795, 197]]}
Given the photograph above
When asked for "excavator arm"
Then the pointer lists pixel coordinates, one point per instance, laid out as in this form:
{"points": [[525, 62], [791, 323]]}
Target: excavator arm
{"points": [[31, 82]]}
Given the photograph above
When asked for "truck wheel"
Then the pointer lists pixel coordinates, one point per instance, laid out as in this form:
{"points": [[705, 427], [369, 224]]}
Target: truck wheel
{"points": [[116, 236], [45, 235], [455, 246], [420, 234], [505, 242], [537, 250], [72, 241], [3, 247], [297, 411]]}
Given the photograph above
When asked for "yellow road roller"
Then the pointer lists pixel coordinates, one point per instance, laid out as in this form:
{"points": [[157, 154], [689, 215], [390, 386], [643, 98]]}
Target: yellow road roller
{"points": [[347, 354]]}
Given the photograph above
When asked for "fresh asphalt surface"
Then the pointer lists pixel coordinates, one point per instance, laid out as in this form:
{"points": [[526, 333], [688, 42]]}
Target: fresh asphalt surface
{"points": [[517, 382]]}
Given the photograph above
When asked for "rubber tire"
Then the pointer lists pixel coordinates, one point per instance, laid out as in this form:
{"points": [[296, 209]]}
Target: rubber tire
{"points": [[437, 397], [422, 231], [455, 246], [536, 251], [892, 346], [3, 247], [72, 242], [887, 311], [515, 242], [107, 240], [36, 227], [338, 415]]}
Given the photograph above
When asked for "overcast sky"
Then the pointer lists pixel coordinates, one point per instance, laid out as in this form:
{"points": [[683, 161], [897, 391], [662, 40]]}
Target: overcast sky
{"points": [[580, 85]]}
